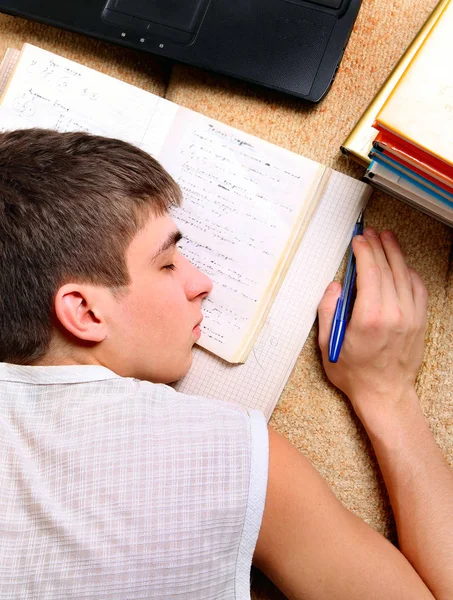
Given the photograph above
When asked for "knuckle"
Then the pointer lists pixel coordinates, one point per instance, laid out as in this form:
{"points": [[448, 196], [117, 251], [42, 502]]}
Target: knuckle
{"points": [[371, 275], [374, 271], [406, 279], [372, 321], [385, 269], [423, 291], [325, 308], [405, 323], [398, 320], [413, 327]]}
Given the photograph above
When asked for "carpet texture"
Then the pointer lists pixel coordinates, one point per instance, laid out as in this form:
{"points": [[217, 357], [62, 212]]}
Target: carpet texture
{"points": [[311, 413]]}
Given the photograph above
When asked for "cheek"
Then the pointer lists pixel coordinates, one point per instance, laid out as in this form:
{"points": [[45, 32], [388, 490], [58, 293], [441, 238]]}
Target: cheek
{"points": [[155, 309], [164, 308], [139, 312]]}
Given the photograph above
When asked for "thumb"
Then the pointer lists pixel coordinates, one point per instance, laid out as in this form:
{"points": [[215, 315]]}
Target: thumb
{"points": [[326, 311]]}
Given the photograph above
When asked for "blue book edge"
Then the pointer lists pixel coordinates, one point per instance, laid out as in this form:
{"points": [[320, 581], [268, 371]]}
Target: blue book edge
{"points": [[409, 176]]}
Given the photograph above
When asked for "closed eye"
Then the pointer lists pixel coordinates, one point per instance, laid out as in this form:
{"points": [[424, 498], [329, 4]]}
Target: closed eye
{"points": [[170, 267]]}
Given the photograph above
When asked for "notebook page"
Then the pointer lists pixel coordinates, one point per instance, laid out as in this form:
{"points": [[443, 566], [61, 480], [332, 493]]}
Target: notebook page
{"points": [[53, 92], [259, 382], [245, 201]]}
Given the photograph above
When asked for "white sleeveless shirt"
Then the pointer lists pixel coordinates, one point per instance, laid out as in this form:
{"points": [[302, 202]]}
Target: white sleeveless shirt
{"points": [[120, 489]]}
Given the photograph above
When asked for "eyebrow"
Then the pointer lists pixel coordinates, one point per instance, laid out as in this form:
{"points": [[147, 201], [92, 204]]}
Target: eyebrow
{"points": [[172, 239]]}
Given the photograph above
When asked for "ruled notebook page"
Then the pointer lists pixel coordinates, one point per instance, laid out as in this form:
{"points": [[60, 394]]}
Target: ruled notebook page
{"points": [[247, 204], [259, 382]]}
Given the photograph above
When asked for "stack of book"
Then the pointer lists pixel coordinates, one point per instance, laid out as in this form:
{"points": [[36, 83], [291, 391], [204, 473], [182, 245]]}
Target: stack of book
{"points": [[405, 136]]}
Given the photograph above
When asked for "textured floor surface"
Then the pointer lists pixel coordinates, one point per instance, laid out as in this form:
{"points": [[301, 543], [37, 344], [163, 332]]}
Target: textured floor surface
{"points": [[312, 414]]}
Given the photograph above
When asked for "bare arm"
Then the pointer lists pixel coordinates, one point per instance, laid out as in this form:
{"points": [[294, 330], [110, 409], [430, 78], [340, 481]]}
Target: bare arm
{"points": [[309, 544], [420, 487], [378, 364], [312, 547]]}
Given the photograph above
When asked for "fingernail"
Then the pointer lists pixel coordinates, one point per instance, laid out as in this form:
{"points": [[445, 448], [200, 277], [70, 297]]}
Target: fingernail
{"points": [[360, 238], [370, 232], [333, 287], [388, 235]]}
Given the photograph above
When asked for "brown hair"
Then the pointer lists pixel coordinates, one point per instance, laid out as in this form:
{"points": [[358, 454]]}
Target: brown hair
{"points": [[70, 205]]}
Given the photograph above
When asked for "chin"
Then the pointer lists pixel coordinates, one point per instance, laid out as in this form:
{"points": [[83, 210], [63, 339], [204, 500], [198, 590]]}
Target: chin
{"points": [[166, 371], [177, 375], [174, 374]]}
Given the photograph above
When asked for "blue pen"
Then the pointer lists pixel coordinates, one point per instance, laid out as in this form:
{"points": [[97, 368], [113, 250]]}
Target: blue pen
{"points": [[342, 309]]}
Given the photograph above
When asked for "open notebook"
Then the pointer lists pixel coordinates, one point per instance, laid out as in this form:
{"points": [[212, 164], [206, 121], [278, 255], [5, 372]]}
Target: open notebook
{"points": [[269, 226]]}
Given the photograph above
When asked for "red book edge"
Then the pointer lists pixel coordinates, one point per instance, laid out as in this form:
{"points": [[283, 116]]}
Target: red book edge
{"points": [[411, 167], [437, 167]]}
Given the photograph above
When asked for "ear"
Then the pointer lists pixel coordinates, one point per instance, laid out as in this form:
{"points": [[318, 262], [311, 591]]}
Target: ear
{"points": [[78, 307]]}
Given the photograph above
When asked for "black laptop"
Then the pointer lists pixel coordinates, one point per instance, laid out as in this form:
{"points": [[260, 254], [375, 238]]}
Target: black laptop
{"points": [[293, 46]]}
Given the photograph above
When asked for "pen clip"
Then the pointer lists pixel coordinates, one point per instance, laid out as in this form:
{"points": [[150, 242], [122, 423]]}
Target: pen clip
{"points": [[358, 227]]}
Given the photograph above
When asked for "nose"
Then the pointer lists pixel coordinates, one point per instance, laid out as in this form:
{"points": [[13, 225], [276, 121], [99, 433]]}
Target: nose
{"points": [[198, 284]]}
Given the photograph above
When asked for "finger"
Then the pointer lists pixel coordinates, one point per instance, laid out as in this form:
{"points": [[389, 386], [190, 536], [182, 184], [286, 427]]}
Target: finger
{"points": [[369, 293], [399, 267], [420, 295], [326, 311], [387, 281]]}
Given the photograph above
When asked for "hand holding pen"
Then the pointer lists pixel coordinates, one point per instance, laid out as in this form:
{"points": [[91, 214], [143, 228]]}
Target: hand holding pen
{"points": [[383, 345]]}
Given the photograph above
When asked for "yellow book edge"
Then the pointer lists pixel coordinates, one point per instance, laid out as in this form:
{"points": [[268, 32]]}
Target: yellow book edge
{"points": [[360, 141], [385, 121]]}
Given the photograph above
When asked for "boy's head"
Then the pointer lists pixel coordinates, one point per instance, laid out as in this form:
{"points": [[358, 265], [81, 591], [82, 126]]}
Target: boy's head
{"points": [[86, 245]]}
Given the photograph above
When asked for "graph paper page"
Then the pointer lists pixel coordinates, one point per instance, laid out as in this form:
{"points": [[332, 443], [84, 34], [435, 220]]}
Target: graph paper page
{"points": [[259, 382]]}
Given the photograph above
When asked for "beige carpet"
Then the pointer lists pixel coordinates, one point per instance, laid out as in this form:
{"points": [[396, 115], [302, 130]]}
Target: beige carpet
{"points": [[313, 415]]}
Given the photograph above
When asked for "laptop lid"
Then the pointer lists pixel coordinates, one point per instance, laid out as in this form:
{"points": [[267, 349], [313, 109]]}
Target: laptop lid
{"points": [[294, 46]]}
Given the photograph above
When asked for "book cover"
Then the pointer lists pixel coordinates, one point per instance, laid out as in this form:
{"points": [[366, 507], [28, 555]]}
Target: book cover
{"points": [[359, 142], [420, 107]]}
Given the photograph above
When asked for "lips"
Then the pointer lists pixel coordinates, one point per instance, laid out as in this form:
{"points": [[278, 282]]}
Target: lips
{"points": [[197, 330]]}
